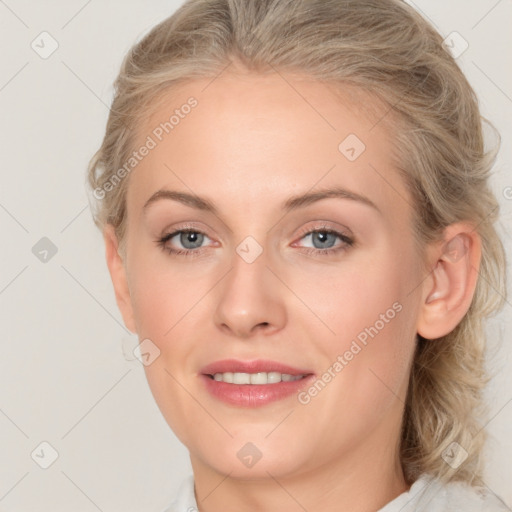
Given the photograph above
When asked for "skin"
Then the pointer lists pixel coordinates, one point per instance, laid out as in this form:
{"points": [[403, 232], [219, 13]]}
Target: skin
{"points": [[250, 144]]}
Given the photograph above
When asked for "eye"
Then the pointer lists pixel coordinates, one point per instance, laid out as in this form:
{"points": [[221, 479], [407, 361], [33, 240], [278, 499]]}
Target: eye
{"points": [[189, 241], [186, 242], [323, 241]]}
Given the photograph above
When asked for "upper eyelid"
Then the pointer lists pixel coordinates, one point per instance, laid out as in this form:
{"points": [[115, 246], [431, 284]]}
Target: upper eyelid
{"points": [[184, 227], [327, 226], [171, 233], [344, 237], [303, 231]]}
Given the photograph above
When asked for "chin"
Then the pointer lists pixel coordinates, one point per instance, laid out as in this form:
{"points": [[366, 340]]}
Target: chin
{"points": [[258, 460]]}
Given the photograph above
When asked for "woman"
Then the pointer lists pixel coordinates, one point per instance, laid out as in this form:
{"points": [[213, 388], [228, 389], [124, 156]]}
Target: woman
{"points": [[298, 225]]}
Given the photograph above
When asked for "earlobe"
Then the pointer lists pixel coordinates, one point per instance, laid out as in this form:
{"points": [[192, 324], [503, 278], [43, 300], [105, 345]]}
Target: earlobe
{"points": [[117, 270], [451, 285]]}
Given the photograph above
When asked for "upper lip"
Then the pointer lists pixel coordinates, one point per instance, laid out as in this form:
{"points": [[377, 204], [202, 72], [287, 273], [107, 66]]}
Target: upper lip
{"points": [[255, 366]]}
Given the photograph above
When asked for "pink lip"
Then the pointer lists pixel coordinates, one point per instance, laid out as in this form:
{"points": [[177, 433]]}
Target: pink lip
{"points": [[232, 365], [252, 395]]}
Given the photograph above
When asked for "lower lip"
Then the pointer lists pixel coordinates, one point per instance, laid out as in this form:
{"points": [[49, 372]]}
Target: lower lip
{"points": [[254, 395]]}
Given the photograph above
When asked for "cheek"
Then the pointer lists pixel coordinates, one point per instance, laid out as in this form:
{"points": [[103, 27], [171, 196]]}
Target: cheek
{"points": [[371, 313], [163, 304], [354, 295], [162, 295]]}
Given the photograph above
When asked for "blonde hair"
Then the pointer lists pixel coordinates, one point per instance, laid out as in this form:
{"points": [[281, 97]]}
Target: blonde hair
{"points": [[385, 48]]}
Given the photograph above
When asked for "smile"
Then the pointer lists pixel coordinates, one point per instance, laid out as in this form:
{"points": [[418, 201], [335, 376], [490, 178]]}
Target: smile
{"points": [[255, 378], [253, 383]]}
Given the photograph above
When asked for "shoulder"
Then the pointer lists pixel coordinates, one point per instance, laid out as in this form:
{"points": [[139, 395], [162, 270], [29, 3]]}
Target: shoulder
{"points": [[459, 496], [185, 500], [429, 494]]}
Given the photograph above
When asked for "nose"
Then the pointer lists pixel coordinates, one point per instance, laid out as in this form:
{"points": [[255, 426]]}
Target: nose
{"points": [[251, 300]]}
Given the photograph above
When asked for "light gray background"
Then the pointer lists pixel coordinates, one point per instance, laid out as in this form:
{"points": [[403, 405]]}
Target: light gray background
{"points": [[67, 375]]}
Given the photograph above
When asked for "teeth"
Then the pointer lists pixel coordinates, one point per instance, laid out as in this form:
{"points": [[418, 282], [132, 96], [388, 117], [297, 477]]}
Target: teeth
{"points": [[255, 378], [273, 377], [259, 378], [241, 378]]}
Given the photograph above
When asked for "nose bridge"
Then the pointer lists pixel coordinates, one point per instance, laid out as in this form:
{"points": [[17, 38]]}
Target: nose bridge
{"points": [[249, 300]]}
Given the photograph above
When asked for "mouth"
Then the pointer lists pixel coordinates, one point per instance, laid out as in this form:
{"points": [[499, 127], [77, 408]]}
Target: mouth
{"points": [[253, 383], [258, 379]]}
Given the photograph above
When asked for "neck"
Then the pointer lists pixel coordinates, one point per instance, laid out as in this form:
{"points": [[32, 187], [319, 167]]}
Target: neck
{"points": [[362, 480]]}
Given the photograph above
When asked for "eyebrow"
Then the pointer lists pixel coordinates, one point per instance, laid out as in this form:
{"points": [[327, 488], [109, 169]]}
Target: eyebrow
{"points": [[293, 203]]}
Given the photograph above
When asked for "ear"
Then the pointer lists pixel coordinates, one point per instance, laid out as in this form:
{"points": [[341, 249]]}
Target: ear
{"points": [[449, 289], [116, 267]]}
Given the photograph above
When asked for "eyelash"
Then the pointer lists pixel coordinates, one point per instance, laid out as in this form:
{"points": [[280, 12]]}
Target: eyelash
{"points": [[347, 242]]}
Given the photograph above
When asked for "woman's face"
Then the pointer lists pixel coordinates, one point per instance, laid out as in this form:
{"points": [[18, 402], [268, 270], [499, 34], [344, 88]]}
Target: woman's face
{"points": [[300, 261]]}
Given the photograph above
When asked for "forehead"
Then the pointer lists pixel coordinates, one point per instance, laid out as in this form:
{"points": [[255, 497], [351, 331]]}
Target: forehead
{"points": [[248, 135]]}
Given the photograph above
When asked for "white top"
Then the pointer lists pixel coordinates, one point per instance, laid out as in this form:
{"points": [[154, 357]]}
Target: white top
{"points": [[426, 494]]}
